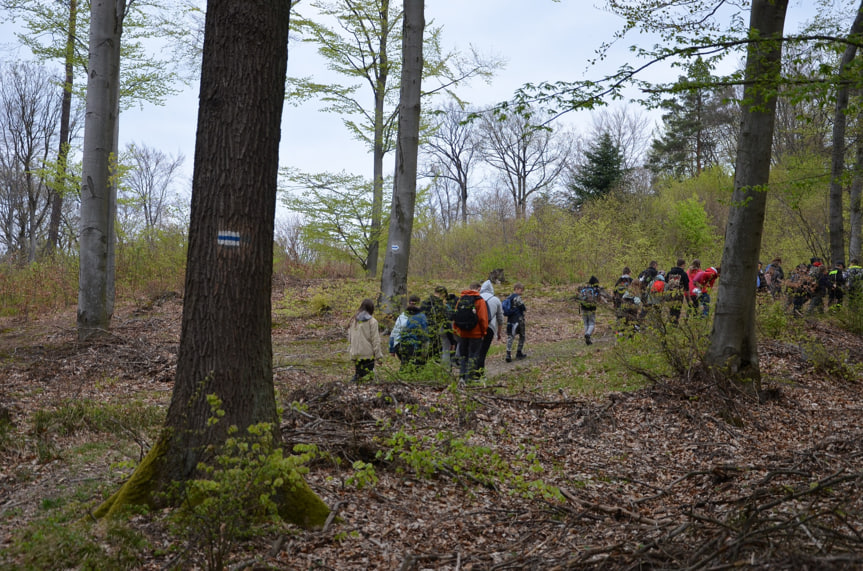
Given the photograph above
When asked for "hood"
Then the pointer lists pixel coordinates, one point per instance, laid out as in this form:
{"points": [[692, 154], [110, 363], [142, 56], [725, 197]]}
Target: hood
{"points": [[487, 287], [363, 316]]}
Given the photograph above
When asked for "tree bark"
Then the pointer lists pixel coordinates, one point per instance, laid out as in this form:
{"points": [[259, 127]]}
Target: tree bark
{"points": [[837, 214], [378, 149], [394, 276], [95, 286], [733, 345], [225, 344], [65, 118], [854, 206]]}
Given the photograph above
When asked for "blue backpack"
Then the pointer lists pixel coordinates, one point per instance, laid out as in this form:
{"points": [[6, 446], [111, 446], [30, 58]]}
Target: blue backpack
{"points": [[414, 331], [506, 306]]}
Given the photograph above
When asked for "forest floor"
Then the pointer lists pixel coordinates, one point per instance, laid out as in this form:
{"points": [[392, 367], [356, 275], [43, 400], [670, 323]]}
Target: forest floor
{"points": [[554, 462]]}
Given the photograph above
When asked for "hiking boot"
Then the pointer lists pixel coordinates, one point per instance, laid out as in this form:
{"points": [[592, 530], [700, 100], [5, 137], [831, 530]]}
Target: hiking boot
{"points": [[587, 340], [520, 356], [508, 357]]}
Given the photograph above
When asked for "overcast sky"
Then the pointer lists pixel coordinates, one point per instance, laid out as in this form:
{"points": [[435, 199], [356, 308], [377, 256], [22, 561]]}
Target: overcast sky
{"points": [[540, 40], [550, 41]]}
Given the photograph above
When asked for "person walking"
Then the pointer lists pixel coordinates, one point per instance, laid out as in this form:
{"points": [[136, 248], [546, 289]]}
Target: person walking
{"points": [[588, 298], [515, 323], [364, 337], [495, 323], [676, 289], [409, 336], [470, 323]]}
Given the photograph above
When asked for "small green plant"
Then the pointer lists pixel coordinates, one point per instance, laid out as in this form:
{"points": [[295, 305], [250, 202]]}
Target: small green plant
{"points": [[364, 475], [235, 497], [772, 319], [458, 457], [824, 361]]}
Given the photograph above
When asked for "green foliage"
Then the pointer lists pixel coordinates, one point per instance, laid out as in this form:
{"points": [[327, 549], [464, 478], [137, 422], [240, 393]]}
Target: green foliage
{"points": [[689, 229], [457, 457], [772, 319], [337, 210], [60, 539], [235, 497], [600, 174], [364, 475], [797, 222]]}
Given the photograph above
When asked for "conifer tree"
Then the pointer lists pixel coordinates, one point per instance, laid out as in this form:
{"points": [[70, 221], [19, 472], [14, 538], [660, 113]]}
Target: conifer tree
{"points": [[600, 173]]}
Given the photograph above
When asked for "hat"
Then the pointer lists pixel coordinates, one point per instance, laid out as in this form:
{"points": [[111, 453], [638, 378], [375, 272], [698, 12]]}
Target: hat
{"points": [[593, 280]]}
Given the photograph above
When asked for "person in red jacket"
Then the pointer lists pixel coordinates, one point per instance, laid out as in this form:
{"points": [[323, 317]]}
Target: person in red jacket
{"points": [[702, 283], [470, 337]]}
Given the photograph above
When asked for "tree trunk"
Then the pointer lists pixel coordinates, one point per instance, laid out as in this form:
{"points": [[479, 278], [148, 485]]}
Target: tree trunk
{"points": [[837, 214], [855, 204], [225, 344], [378, 147], [733, 344], [95, 285], [394, 277], [65, 118]]}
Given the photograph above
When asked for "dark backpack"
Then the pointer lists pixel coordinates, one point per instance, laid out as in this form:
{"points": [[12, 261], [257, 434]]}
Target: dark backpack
{"points": [[588, 296], [673, 283], [621, 286], [465, 317]]}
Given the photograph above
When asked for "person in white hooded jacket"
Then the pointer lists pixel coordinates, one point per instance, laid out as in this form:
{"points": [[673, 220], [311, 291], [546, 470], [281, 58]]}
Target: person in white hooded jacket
{"points": [[496, 322], [365, 339]]}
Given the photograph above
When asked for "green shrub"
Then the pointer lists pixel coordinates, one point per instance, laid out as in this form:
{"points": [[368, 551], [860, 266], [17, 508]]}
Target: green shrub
{"points": [[234, 500]]}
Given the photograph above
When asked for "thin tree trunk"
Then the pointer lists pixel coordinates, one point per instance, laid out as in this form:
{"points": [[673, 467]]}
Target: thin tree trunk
{"points": [[394, 276], [837, 214], [65, 120], [95, 284], [733, 345], [855, 204], [375, 228]]}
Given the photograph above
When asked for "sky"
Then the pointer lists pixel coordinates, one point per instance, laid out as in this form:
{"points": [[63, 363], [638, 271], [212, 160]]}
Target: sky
{"points": [[553, 40], [539, 40]]}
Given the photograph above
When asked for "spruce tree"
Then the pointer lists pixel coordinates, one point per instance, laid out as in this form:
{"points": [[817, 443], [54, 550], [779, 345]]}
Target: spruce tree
{"points": [[600, 173]]}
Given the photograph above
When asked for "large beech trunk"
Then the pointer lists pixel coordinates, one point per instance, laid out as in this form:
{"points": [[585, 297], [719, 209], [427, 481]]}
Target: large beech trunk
{"points": [[225, 344]]}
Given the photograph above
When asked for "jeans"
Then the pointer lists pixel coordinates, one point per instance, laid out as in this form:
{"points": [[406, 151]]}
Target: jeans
{"points": [[513, 329]]}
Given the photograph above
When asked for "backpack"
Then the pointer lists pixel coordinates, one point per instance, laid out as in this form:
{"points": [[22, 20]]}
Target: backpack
{"points": [[465, 317], [412, 333], [673, 283], [506, 306], [620, 288], [588, 296]]}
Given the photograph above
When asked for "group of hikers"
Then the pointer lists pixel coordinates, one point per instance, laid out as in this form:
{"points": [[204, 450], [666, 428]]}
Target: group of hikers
{"points": [[455, 330], [459, 329], [682, 287], [809, 286]]}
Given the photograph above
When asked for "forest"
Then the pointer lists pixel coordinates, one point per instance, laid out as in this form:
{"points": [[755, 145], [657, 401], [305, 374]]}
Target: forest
{"points": [[176, 376]]}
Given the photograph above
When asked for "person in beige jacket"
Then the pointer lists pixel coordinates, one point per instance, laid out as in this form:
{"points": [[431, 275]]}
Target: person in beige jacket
{"points": [[365, 340]]}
